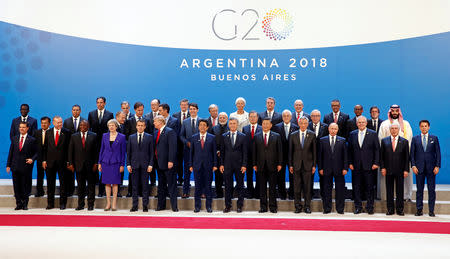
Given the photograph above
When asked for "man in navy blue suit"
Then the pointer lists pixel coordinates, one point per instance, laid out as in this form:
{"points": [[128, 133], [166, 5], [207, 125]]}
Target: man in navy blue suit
{"points": [[250, 131], [425, 162], [218, 132], [337, 117], [165, 140], [140, 163], [32, 122], [270, 112], [364, 157], [171, 122], [333, 163], [233, 161], [320, 130], [285, 129], [203, 162], [22, 153], [181, 116], [188, 129]]}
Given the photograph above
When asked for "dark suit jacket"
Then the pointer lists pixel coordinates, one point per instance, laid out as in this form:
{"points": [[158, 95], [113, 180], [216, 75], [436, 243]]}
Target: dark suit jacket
{"points": [[306, 155], [342, 122], [294, 117], [247, 130], [115, 153], [130, 126], [79, 156], [140, 156], [218, 131], [149, 118], [17, 158], [32, 126], [428, 159], [279, 128], [270, 155], [68, 124], [362, 158], [395, 162], [206, 156], [178, 117], [174, 124], [56, 155], [332, 163], [39, 145], [351, 126], [233, 158], [187, 131], [166, 147], [210, 122], [371, 126], [276, 117], [99, 127]]}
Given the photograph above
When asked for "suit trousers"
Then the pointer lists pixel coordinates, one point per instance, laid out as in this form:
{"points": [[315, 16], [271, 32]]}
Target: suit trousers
{"points": [[302, 184], [40, 178], [218, 179], [186, 173], [101, 186], [203, 180], [291, 182], [281, 182], [167, 184], [51, 184], [250, 186], [21, 184], [265, 176], [69, 181], [228, 178], [139, 178], [362, 182], [339, 182], [431, 185], [397, 181], [86, 175]]}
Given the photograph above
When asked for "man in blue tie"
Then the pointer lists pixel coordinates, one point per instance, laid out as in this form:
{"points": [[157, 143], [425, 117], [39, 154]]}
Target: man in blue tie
{"points": [[425, 162], [203, 162]]}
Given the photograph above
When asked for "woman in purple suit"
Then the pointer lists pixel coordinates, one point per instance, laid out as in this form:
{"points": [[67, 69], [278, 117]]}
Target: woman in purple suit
{"points": [[111, 161]]}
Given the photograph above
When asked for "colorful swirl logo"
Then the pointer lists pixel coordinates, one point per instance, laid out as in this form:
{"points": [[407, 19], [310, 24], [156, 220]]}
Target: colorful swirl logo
{"points": [[277, 24]]}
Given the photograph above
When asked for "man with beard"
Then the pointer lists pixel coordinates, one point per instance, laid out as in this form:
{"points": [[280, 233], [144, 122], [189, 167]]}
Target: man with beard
{"points": [[395, 115]]}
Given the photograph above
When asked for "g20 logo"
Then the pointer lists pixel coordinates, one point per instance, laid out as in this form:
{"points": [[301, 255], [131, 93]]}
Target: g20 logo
{"points": [[277, 24]]}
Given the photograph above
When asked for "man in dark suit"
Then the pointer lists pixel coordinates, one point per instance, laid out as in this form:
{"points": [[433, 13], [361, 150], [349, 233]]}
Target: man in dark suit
{"points": [[203, 162], [320, 130], [165, 140], [213, 118], [250, 131], [121, 119], [337, 117], [125, 107], [233, 161], [22, 153], [333, 163], [140, 163], [188, 129], [394, 163], [181, 116], [82, 159], [171, 122], [98, 120], [302, 163], [285, 129], [72, 125], [425, 162], [218, 132], [364, 158], [298, 107], [267, 160], [32, 122], [39, 135], [270, 112], [374, 124], [154, 106], [352, 123], [55, 162]]}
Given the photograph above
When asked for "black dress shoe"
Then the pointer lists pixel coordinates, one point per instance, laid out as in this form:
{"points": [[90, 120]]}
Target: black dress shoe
{"points": [[91, 208], [39, 195], [18, 207], [196, 210], [340, 212], [326, 211], [226, 210], [419, 213], [25, 207], [129, 195], [134, 209], [307, 210], [101, 195], [79, 208], [262, 211], [62, 207], [144, 209], [209, 210], [159, 209], [400, 213], [175, 210], [358, 211], [239, 210], [49, 207], [431, 214], [370, 211], [119, 195], [291, 197], [273, 210], [298, 210], [390, 212]]}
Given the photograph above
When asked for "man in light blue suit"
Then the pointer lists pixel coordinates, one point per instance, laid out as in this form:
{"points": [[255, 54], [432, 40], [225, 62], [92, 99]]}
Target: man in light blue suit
{"points": [[425, 162], [188, 128]]}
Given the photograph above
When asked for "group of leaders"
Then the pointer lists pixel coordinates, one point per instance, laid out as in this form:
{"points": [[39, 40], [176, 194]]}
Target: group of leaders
{"points": [[262, 145]]}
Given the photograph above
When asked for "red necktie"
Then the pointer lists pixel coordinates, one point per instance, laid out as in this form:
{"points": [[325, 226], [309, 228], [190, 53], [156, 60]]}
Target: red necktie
{"points": [[202, 141], [298, 116], [213, 122], [157, 140], [253, 131], [184, 116], [21, 143], [83, 140], [265, 139], [335, 118], [393, 144], [57, 138]]}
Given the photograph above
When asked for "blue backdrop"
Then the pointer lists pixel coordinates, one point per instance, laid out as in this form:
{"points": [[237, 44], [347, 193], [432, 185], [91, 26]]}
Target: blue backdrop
{"points": [[51, 72]]}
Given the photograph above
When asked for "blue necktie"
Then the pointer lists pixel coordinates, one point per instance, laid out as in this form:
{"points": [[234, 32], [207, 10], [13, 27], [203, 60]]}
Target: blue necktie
{"points": [[424, 143], [232, 140], [303, 139]]}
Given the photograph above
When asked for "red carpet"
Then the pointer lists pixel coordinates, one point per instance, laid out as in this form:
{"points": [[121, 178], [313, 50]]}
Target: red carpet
{"points": [[226, 223]]}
